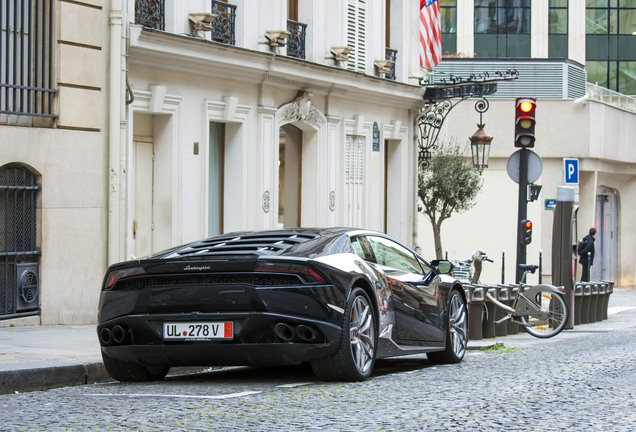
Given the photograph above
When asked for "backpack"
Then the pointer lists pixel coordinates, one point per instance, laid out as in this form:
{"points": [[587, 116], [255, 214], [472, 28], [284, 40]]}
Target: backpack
{"points": [[580, 247]]}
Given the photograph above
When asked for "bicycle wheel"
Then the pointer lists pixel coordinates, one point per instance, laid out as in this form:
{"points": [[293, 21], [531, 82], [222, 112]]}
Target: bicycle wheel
{"points": [[551, 317]]}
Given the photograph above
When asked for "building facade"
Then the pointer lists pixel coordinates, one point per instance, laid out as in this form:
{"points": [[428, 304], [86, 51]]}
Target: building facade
{"points": [[171, 121], [52, 173], [556, 47]]}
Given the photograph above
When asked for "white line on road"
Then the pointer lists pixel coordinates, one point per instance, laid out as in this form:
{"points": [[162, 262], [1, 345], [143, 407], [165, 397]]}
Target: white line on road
{"points": [[175, 396], [293, 385], [618, 309]]}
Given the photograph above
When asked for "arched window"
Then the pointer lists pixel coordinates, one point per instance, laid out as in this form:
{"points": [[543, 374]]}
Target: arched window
{"points": [[18, 242]]}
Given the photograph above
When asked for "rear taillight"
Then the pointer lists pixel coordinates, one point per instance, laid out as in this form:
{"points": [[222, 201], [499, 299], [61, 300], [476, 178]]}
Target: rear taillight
{"points": [[116, 275], [302, 270]]}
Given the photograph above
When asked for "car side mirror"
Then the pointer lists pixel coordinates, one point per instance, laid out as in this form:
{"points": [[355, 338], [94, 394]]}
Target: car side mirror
{"points": [[443, 266]]}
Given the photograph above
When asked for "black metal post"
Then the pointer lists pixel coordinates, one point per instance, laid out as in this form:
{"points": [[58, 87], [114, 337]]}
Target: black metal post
{"points": [[540, 266], [503, 267], [523, 210]]}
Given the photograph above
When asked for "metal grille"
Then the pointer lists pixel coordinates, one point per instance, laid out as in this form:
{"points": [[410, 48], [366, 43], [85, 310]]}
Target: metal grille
{"points": [[150, 13], [391, 54], [207, 279], [26, 58], [545, 79], [18, 193], [223, 27], [296, 42]]}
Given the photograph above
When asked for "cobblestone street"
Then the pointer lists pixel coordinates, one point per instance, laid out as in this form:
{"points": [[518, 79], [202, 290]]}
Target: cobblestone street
{"points": [[581, 380]]}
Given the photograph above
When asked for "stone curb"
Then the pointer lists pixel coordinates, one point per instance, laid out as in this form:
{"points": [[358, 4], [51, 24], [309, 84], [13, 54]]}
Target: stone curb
{"points": [[21, 380]]}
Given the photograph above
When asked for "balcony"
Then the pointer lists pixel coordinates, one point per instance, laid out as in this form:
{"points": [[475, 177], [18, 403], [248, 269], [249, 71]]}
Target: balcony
{"points": [[296, 42], [391, 54], [150, 14], [224, 26]]}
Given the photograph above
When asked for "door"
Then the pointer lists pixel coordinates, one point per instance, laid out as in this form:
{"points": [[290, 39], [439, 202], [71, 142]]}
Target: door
{"points": [[415, 297], [143, 198], [605, 265], [289, 176]]}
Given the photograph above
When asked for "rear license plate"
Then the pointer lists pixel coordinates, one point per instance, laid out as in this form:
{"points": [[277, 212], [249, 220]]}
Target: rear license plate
{"points": [[198, 331]]}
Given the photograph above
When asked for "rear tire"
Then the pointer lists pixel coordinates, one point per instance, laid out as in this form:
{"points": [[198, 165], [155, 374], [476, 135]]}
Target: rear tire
{"points": [[355, 357], [456, 332], [554, 315], [128, 371]]}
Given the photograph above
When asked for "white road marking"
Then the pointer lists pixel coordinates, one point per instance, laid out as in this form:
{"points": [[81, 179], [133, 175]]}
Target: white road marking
{"points": [[176, 396], [293, 385], [618, 309]]}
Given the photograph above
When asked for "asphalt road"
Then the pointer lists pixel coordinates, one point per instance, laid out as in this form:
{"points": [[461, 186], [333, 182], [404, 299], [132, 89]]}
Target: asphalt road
{"points": [[582, 380]]}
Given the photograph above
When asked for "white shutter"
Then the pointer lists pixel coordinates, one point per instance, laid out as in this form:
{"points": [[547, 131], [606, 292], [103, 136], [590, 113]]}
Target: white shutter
{"points": [[356, 34], [354, 179]]}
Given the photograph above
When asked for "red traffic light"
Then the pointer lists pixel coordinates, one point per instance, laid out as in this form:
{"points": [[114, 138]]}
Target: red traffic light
{"points": [[524, 122], [526, 106], [525, 236]]}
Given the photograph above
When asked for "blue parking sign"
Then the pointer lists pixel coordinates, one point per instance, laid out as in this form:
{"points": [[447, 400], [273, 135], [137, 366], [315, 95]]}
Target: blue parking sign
{"points": [[571, 171]]}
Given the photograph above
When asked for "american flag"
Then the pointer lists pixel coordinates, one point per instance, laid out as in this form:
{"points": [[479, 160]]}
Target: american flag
{"points": [[430, 34]]}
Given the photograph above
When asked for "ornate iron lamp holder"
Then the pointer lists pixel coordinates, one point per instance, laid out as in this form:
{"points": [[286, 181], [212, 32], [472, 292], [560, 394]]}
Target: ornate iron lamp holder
{"points": [[441, 98]]}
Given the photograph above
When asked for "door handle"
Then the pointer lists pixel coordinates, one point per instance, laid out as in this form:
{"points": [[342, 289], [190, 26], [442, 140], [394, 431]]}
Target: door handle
{"points": [[134, 229]]}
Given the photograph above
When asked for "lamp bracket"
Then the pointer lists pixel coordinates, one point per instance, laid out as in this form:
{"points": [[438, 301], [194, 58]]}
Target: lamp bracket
{"points": [[438, 102]]}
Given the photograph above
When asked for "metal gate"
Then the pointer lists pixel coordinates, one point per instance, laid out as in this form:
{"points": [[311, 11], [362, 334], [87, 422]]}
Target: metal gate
{"points": [[19, 254]]}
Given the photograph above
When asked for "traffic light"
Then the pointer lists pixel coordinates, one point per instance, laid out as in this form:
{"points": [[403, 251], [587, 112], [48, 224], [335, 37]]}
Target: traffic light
{"points": [[524, 122], [526, 231]]}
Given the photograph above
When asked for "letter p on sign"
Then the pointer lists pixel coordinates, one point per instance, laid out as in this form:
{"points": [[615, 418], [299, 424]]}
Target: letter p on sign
{"points": [[571, 171]]}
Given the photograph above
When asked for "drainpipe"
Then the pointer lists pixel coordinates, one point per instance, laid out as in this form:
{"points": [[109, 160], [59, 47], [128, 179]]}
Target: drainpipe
{"points": [[114, 144]]}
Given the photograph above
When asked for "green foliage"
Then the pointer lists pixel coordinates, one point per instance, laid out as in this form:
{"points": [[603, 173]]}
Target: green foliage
{"points": [[450, 184]]}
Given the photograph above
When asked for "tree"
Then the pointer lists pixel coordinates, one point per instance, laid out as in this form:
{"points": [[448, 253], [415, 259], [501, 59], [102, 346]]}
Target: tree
{"points": [[448, 185]]}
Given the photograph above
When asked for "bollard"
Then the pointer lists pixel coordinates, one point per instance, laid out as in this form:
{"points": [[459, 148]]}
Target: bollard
{"points": [[488, 328], [475, 312], [513, 328], [609, 290], [578, 300], [593, 301], [600, 301], [585, 304], [503, 296]]}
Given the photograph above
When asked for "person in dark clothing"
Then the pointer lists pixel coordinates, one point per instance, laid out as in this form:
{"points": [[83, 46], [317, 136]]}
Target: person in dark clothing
{"points": [[587, 255]]}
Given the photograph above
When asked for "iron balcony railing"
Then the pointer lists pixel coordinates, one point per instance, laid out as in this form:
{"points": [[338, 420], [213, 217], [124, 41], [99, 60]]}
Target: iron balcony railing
{"points": [[223, 27], [296, 41], [391, 54], [151, 14], [26, 58]]}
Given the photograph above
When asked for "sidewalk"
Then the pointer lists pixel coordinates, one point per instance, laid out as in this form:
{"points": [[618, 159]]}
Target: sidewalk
{"points": [[43, 357]]}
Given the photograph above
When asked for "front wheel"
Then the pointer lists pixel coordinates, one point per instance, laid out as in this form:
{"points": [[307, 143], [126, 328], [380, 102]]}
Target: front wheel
{"points": [[551, 315], [355, 357]]}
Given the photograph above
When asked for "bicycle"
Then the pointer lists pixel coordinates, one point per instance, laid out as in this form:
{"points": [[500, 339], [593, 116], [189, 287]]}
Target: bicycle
{"points": [[540, 309]]}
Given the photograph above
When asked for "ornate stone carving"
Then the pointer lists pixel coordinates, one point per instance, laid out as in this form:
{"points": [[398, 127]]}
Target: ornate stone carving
{"points": [[301, 110]]}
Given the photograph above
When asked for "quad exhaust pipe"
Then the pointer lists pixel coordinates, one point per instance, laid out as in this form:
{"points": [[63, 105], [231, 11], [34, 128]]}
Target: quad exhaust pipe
{"points": [[288, 333]]}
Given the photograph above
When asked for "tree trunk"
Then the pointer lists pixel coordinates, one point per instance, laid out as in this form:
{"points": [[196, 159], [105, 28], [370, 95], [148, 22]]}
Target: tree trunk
{"points": [[437, 236]]}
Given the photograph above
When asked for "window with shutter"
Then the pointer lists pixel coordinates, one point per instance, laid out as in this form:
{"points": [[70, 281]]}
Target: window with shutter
{"points": [[356, 34], [354, 179]]}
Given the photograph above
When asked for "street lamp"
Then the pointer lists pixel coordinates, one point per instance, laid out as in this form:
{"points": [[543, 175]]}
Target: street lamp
{"points": [[480, 148]]}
